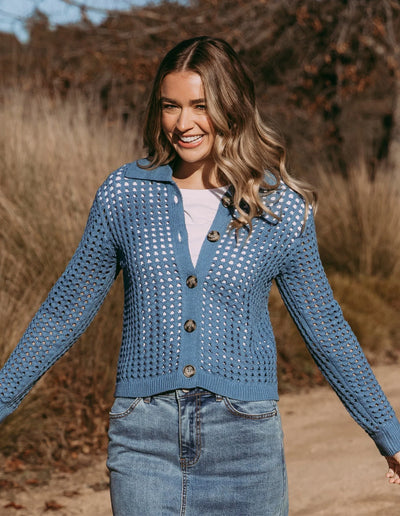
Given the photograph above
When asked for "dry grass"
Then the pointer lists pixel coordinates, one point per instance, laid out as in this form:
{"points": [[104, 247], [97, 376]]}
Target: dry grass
{"points": [[359, 221], [53, 157]]}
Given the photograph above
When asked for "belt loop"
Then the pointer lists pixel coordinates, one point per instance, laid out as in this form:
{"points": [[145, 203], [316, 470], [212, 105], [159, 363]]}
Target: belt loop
{"points": [[147, 399]]}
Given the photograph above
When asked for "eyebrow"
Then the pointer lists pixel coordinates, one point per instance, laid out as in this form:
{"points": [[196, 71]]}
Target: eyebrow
{"points": [[192, 102]]}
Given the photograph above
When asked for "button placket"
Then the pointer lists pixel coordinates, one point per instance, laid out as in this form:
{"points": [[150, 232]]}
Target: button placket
{"points": [[190, 281], [192, 276], [190, 326]]}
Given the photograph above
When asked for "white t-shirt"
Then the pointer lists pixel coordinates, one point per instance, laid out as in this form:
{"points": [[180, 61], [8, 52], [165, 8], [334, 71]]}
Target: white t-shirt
{"points": [[200, 207]]}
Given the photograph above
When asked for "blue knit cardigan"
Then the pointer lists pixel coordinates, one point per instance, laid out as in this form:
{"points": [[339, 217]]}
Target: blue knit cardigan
{"points": [[205, 326]]}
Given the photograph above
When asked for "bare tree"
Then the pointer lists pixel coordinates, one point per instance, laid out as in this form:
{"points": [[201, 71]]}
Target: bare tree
{"points": [[381, 35], [325, 70]]}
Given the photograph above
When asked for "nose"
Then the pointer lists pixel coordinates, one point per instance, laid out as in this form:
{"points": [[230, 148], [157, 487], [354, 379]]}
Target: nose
{"points": [[185, 120]]}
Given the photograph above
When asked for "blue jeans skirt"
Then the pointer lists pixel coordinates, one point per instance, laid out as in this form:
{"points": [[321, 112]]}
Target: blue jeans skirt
{"points": [[195, 453]]}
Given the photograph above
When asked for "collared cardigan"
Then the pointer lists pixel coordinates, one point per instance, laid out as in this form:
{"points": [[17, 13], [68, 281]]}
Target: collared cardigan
{"points": [[206, 326]]}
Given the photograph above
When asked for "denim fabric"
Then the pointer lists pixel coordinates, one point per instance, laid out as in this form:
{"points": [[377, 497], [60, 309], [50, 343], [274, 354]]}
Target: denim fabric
{"points": [[194, 453]]}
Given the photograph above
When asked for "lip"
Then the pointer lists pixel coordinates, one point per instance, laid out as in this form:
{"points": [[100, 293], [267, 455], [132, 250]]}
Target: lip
{"points": [[192, 144]]}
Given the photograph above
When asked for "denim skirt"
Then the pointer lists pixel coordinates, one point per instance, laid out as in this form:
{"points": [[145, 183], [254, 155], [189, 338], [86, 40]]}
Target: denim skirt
{"points": [[195, 453]]}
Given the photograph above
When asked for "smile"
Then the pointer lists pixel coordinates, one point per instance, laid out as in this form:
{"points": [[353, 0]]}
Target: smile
{"points": [[189, 142], [190, 139]]}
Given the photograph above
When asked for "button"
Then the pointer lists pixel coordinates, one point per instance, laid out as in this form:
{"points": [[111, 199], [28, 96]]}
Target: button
{"points": [[189, 371], [191, 281], [213, 236], [189, 325], [226, 201]]}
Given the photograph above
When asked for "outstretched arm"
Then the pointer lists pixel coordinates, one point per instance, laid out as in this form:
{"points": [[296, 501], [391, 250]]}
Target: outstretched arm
{"points": [[63, 317], [334, 347]]}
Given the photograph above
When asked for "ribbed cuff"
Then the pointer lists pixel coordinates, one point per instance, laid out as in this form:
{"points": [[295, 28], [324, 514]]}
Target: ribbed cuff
{"points": [[388, 438], [5, 410]]}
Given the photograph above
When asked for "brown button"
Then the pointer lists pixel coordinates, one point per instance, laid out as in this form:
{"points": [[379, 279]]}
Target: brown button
{"points": [[189, 325], [189, 371], [226, 201], [213, 236], [191, 281]]}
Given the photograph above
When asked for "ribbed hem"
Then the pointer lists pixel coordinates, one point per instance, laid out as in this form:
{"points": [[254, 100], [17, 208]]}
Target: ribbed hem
{"points": [[388, 438], [222, 386]]}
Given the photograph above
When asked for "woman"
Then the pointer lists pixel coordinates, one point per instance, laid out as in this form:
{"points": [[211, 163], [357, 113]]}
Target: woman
{"points": [[200, 229]]}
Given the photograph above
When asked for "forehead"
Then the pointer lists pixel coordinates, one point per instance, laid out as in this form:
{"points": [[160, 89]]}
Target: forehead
{"points": [[184, 85]]}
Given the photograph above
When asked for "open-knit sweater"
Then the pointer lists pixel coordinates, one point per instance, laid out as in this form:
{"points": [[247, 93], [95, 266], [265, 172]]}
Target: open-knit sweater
{"points": [[205, 326]]}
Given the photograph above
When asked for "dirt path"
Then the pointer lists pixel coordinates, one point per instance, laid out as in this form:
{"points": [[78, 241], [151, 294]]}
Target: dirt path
{"points": [[334, 468]]}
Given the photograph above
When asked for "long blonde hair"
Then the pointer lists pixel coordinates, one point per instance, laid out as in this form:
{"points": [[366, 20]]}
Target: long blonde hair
{"points": [[244, 148]]}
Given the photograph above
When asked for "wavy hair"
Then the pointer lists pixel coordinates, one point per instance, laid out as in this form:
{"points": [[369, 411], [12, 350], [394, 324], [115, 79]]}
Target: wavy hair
{"points": [[245, 149]]}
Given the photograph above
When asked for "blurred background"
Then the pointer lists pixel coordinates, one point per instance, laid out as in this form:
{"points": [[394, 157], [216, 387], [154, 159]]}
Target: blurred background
{"points": [[74, 80]]}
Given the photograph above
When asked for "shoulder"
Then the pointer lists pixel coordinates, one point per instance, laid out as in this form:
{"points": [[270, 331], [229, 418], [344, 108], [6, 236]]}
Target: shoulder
{"points": [[113, 180], [284, 204]]}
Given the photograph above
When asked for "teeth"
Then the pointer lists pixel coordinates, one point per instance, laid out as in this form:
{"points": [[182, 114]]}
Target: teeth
{"points": [[189, 139]]}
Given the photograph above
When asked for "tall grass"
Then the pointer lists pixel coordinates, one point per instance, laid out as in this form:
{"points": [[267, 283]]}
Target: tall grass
{"points": [[53, 157], [359, 221]]}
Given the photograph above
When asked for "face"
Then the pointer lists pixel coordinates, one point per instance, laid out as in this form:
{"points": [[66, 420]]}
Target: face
{"points": [[184, 119]]}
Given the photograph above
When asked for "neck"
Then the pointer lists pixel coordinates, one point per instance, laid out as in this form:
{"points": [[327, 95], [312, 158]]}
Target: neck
{"points": [[191, 176]]}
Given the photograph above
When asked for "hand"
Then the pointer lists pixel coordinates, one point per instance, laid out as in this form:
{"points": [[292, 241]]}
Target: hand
{"points": [[394, 468]]}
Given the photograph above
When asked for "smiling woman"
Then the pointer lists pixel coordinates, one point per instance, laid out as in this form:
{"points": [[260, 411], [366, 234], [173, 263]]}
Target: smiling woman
{"points": [[195, 426]]}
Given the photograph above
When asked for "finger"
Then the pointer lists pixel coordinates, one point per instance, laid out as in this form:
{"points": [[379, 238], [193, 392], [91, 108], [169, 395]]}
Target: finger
{"points": [[393, 477]]}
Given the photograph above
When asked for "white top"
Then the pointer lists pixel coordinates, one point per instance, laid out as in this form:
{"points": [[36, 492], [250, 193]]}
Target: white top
{"points": [[200, 207]]}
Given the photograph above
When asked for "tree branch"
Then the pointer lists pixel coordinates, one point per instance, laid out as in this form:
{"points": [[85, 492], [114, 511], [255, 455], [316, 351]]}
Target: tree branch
{"points": [[389, 25]]}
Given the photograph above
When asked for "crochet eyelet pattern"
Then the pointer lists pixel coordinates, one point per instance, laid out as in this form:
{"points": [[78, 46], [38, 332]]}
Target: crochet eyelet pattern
{"points": [[205, 326]]}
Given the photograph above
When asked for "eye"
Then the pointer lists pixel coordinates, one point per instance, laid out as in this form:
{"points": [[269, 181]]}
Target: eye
{"points": [[201, 107], [167, 106]]}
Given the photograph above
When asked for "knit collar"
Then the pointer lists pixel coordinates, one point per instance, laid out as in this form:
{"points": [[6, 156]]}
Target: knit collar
{"points": [[162, 173]]}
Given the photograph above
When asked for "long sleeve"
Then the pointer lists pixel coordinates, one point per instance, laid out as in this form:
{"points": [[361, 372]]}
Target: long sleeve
{"points": [[68, 310], [306, 293]]}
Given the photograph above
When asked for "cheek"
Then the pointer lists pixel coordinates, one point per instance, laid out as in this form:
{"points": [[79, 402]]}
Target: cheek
{"points": [[210, 130], [166, 124], [208, 125]]}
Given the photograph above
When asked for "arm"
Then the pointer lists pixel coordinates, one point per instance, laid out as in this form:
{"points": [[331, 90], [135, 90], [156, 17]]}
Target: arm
{"points": [[68, 310], [331, 342]]}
